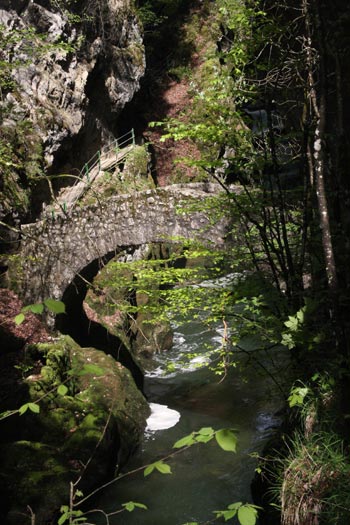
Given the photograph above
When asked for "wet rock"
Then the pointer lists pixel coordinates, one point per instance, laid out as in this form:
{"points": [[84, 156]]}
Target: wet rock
{"points": [[84, 432]]}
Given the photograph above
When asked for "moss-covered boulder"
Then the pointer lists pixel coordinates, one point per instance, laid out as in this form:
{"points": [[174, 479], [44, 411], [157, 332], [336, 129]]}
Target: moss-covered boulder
{"points": [[91, 417]]}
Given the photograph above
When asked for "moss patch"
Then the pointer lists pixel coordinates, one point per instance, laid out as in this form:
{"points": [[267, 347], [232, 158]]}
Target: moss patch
{"points": [[97, 423]]}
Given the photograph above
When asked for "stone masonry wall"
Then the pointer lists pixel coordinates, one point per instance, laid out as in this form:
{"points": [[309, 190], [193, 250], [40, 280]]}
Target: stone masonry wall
{"points": [[54, 250]]}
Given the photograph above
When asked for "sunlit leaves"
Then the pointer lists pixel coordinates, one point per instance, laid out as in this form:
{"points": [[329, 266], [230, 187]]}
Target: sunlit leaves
{"points": [[226, 439], [36, 308], [62, 390], [163, 287], [204, 435], [246, 513], [56, 307], [160, 466], [19, 318], [186, 441], [132, 505], [292, 323], [297, 396], [298, 329], [72, 516], [218, 88], [32, 407]]}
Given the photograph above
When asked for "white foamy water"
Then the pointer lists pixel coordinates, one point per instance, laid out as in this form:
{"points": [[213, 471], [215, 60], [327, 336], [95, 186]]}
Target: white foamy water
{"points": [[188, 354], [161, 417]]}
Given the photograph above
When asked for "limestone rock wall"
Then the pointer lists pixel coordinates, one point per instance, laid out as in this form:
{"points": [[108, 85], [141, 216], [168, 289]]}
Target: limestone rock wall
{"points": [[71, 71]]}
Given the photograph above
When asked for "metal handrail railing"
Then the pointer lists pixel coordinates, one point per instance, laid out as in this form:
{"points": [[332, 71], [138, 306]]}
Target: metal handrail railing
{"points": [[116, 147]]}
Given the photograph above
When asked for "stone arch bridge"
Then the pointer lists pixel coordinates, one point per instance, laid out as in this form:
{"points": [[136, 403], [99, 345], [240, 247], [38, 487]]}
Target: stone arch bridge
{"points": [[54, 250]]}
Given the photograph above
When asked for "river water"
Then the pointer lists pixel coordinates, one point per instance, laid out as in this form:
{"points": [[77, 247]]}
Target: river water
{"points": [[204, 478]]}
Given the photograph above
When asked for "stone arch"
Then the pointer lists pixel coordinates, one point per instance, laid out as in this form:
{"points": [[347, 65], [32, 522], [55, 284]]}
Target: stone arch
{"points": [[87, 332], [56, 249]]}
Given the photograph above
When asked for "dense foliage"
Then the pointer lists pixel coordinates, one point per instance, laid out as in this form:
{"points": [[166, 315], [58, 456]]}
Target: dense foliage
{"points": [[268, 113]]}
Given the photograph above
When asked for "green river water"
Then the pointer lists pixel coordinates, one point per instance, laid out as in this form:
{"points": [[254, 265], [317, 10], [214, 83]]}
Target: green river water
{"points": [[204, 478]]}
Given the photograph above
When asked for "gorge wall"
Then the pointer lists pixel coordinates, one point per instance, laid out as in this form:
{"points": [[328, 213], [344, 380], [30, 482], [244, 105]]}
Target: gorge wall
{"points": [[71, 68]]}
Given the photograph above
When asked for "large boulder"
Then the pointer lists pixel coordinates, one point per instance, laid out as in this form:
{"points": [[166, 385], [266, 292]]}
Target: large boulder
{"points": [[91, 417]]}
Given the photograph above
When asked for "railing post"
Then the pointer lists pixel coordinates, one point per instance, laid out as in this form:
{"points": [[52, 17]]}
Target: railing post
{"points": [[99, 160], [86, 167], [65, 207], [133, 136], [116, 149]]}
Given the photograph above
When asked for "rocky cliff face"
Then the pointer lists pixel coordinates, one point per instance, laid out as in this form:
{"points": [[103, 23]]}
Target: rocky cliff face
{"points": [[71, 68]]}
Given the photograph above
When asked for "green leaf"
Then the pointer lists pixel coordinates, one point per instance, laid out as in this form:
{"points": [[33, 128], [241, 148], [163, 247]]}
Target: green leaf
{"points": [[206, 431], [292, 323], [297, 396], [235, 506], [19, 319], [34, 408], [63, 518], [148, 470], [131, 505], [226, 514], [57, 307], [62, 390], [301, 316], [288, 341], [226, 439], [140, 505], [37, 308], [26, 309], [162, 467], [203, 439], [23, 409], [185, 441], [247, 515]]}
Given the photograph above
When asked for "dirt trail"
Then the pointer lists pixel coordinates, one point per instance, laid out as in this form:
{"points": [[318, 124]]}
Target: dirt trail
{"points": [[172, 98]]}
